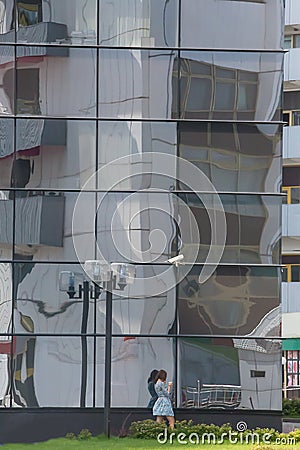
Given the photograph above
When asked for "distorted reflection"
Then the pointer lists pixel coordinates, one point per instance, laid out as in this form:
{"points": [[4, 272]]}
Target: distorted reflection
{"points": [[150, 23], [230, 373], [233, 301]]}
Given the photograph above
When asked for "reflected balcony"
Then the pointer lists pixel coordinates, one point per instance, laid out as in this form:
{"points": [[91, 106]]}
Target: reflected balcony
{"points": [[290, 289], [211, 396], [291, 138], [292, 69], [291, 213], [32, 134], [43, 32], [292, 12], [41, 219]]}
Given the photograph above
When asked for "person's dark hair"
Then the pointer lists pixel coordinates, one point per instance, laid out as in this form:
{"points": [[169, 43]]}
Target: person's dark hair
{"points": [[161, 375], [152, 376]]}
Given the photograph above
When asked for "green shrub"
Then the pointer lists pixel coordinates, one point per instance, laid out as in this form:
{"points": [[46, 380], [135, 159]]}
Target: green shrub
{"points": [[290, 408], [84, 434], [70, 436], [149, 429], [146, 429]]}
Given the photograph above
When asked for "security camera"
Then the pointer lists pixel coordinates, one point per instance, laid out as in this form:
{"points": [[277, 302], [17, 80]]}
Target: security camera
{"points": [[175, 260]]}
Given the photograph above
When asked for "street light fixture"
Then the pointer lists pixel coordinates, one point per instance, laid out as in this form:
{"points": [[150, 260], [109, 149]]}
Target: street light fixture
{"points": [[108, 277], [67, 283]]}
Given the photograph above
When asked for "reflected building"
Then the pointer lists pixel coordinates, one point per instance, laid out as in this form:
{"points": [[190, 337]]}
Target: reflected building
{"points": [[290, 208], [96, 97]]}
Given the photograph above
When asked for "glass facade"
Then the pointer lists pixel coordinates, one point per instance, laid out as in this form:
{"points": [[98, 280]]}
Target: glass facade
{"points": [[107, 107]]}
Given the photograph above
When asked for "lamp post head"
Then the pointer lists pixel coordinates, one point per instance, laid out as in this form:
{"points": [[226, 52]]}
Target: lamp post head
{"points": [[124, 274], [98, 270]]}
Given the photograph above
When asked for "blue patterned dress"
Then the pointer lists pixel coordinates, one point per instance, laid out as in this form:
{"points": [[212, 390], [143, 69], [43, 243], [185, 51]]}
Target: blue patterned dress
{"points": [[162, 406]]}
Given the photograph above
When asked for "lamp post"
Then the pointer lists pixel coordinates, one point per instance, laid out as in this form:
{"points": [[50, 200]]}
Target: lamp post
{"points": [[108, 277], [67, 281]]}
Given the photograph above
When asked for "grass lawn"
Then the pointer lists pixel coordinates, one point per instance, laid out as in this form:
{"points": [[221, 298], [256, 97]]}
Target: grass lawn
{"points": [[101, 443]]}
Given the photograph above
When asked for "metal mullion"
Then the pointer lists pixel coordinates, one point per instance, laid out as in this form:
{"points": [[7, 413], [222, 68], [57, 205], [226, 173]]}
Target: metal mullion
{"points": [[96, 198], [15, 103]]}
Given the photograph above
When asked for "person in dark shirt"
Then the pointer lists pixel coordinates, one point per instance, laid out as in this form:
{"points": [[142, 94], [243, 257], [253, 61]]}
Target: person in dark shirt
{"points": [[151, 388]]}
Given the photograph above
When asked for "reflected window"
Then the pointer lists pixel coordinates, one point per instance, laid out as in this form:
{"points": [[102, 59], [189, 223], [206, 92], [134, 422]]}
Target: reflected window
{"points": [[212, 88], [28, 89], [293, 367], [29, 12], [287, 42]]}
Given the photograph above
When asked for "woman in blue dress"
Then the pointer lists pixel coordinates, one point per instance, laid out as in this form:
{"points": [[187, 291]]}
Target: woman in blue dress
{"points": [[163, 406]]}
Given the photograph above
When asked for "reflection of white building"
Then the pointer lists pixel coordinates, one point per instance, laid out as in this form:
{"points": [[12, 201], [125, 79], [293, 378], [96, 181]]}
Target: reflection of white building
{"points": [[50, 158]]}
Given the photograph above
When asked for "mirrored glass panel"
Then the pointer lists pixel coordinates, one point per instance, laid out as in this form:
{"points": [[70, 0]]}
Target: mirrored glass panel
{"points": [[6, 152], [6, 225], [53, 372], [210, 24], [234, 300], [150, 227], [7, 343], [7, 80], [45, 228], [127, 155], [55, 22], [152, 313], [236, 157], [137, 357], [55, 154], [137, 83], [53, 299], [231, 85], [7, 25], [46, 83], [151, 23], [224, 373], [137, 227], [251, 226]]}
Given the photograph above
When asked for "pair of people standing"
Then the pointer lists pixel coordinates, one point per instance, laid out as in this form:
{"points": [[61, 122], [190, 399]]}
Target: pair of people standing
{"points": [[160, 401]]}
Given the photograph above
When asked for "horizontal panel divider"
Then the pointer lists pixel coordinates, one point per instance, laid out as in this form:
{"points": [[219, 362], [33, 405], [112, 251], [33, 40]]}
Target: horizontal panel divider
{"points": [[142, 191], [139, 119], [147, 48], [163, 263], [203, 336]]}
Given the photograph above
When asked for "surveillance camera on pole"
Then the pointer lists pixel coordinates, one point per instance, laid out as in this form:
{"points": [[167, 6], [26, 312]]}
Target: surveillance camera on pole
{"points": [[176, 260]]}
